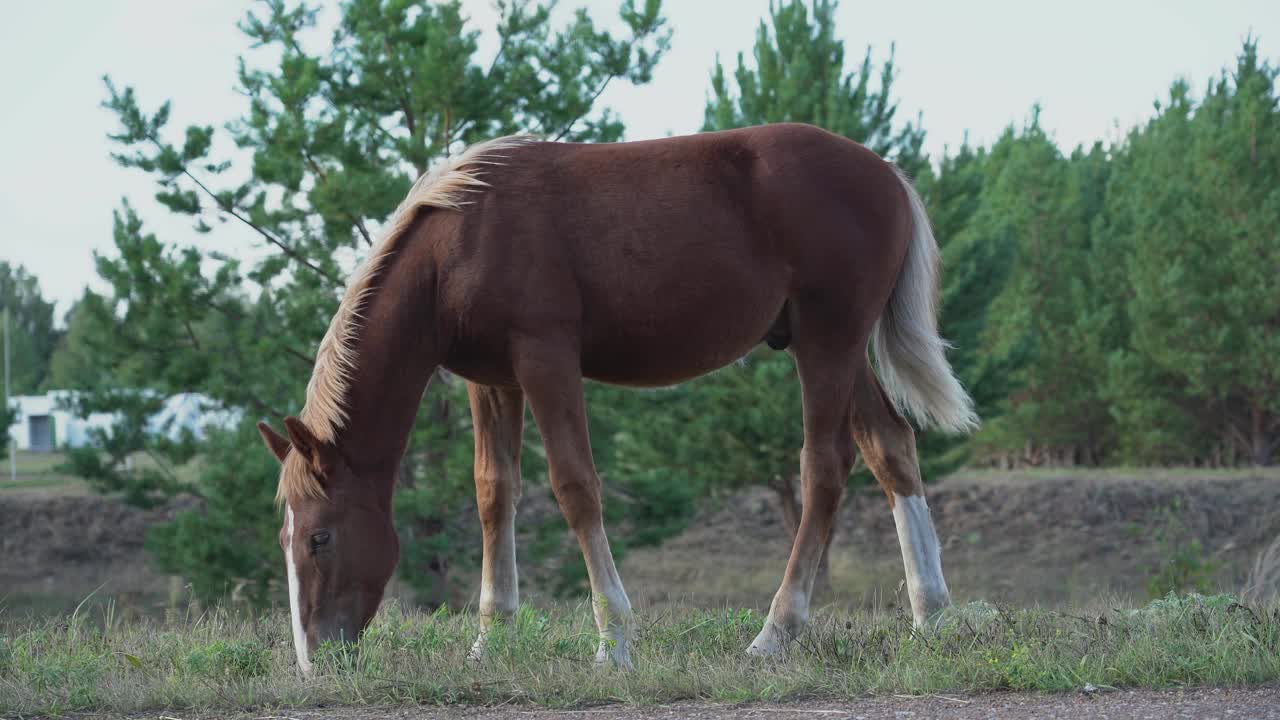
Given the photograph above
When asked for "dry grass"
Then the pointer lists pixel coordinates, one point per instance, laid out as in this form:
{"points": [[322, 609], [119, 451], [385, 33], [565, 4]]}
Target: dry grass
{"points": [[1263, 585], [221, 662]]}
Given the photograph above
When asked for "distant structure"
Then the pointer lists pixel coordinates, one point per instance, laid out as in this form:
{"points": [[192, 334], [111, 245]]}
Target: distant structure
{"points": [[46, 423]]}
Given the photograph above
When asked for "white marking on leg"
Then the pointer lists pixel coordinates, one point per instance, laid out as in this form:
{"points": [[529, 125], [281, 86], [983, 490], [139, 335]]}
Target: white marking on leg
{"points": [[926, 587], [788, 614], [295, 592], [499, 583], [609, 603], [499, 586]]}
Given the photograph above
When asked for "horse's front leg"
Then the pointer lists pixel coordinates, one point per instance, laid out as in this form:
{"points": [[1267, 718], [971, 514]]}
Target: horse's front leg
{"points": [[498, 421], [552, 381]]}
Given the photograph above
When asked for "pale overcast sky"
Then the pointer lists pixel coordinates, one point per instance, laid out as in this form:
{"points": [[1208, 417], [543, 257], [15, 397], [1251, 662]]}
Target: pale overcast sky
{"points": [[1096, 66]]}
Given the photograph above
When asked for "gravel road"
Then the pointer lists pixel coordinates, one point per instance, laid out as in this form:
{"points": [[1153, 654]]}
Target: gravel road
{"points": [[1258, 703]]}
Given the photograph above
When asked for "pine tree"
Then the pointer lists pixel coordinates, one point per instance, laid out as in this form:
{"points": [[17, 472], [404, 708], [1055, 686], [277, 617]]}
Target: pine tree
{"points": [[8, 416], [1035, 220], [32, 336], [799, 76], [1196, 203], [974, 271]]}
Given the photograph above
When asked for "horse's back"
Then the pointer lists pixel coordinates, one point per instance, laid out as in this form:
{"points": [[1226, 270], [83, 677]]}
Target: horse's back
{"points": [[666, 259]]}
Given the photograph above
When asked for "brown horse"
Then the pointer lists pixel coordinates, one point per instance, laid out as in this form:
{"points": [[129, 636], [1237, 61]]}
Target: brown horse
{"points": [[526, 266]]}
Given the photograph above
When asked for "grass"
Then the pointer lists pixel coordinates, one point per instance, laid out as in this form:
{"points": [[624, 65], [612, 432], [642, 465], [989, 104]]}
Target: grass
{"points": [[49, 472], [39, 471], [223, 662]]}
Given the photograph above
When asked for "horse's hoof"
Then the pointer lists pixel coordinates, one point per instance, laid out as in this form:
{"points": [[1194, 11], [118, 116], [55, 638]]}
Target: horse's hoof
{"points": [[614, 657], [477, 652], [771, 642], [624, 664]]}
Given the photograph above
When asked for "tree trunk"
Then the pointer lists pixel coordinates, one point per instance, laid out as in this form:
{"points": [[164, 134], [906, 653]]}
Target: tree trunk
{"points": [[785, 487], [1260, 447], [822, 582]]}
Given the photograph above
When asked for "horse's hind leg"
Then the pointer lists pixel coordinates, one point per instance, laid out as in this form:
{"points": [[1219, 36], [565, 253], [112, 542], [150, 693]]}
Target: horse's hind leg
{"points": [[552, 380], [827, 388], [498, 420], [889, 448]]}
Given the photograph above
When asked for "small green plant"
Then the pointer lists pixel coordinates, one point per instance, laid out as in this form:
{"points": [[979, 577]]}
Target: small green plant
{"points": [[229, 660], [66, 679], [1185, 566]]}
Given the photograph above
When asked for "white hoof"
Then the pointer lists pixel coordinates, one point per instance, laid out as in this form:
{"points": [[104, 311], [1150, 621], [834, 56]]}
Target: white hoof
{"points": [[477, 652], [614, 654], [771, 642], [931, 620]]}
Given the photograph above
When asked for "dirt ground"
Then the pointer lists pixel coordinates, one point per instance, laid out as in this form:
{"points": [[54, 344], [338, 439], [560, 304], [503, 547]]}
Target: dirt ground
{"points": [[59, 545], [1030, 538], [1212, 704]]}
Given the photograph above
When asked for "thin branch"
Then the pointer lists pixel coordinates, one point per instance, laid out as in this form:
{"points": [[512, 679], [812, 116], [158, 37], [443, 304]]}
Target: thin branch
{"points": [[444, 130], [459, 130], [235, 314], [590, 104], [364, 231], [323, 177], [291, 352], [233, 212], [191, 333], [502, 44], [406, 98], [263, 408], [164, 466], [315, 166], [290, 252]]}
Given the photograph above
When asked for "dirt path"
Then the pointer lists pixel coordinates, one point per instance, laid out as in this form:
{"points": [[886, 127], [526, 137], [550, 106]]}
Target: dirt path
{"points": [[1262, 703]]}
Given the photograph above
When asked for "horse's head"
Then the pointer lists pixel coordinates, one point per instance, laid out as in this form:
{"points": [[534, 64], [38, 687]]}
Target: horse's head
{"points": [[339, 545]]}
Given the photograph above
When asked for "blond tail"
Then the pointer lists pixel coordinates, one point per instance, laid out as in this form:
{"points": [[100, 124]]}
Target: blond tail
{"points": [[910, 355]]}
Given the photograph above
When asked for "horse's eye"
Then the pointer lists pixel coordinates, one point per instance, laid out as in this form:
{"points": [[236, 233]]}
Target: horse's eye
{"points": [[319, 539]]}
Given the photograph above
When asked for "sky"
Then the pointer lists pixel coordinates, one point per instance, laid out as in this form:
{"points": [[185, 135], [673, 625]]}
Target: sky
{"points": [[1095, 67]]}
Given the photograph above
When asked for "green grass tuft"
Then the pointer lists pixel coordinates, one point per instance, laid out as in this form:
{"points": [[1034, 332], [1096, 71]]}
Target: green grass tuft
{"points": [[544, 657]]}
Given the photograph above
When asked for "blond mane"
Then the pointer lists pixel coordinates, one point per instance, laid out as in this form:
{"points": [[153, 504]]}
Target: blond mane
{"points": [[325, 411]]}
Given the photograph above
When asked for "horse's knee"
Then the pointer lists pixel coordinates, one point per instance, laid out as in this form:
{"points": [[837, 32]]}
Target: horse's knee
{"points": [[889, 451], [496, 497], [579, 500]]}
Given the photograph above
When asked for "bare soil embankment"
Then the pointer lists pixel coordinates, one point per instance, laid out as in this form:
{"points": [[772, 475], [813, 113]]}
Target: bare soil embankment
{"points": [[1024, 538]]}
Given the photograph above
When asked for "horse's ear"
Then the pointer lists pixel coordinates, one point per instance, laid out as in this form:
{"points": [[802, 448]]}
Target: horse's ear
{"points": [[278, 444], [307, 444]]}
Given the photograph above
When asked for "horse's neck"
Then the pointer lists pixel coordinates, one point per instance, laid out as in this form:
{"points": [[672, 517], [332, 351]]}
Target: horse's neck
{"points": [[396, 353]]}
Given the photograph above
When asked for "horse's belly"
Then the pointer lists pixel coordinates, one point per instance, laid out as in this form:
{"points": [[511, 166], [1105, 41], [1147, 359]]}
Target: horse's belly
{"points": [[667, 345]]}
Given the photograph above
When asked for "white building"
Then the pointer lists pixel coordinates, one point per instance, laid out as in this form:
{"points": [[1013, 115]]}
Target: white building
{"points": [[45, 424]]}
